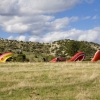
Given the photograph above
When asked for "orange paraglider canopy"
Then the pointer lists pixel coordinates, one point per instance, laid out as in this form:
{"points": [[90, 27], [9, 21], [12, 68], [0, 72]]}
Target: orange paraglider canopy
{"points": [[77, 57], [5, 56], [96, 56]]}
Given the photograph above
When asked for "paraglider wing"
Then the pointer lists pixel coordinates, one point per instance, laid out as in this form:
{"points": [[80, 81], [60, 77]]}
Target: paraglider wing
{"points": [[53, 60], [77, 57], [5, 56], [96, 56]]}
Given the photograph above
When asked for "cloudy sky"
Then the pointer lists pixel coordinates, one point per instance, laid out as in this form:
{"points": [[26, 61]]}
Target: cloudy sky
{"points": [[50, 20]]}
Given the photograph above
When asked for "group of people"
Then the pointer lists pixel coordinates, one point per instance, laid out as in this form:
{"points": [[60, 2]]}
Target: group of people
{"points": [[58, 59]]}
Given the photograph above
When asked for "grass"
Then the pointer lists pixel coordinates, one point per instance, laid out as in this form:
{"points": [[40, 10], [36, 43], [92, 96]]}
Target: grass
{"points": [[50, 81]]}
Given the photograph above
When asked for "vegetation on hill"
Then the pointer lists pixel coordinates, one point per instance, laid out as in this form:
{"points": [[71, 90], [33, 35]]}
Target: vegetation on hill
{"points": [[35, 51]]}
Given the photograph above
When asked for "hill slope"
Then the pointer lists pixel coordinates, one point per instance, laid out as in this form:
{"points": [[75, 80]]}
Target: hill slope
{"points": [[35, 51]]}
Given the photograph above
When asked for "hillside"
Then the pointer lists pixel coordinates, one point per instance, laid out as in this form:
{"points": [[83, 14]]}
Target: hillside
{"points": [[35, 51]]}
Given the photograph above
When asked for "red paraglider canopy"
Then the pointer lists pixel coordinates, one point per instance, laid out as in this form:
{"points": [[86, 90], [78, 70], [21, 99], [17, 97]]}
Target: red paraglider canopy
{"points": [[96, 56], [77, 57]]}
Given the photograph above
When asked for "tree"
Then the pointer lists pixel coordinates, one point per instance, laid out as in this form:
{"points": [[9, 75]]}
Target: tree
{"points": [[87, 49], [73, 47], [21, 58]]}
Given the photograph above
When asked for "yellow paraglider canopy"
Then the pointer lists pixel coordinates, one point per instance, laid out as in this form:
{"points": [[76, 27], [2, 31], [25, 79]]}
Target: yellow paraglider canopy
{"points": [[5, 56]]}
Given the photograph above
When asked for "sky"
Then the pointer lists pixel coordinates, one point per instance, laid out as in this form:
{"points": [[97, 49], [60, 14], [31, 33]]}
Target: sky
{"points": [[50, 20]]}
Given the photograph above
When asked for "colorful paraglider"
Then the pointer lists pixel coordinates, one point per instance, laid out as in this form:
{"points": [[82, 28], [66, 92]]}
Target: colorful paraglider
{"points": [[5, 56], [77, 57], [53, 60], [96, 56]]}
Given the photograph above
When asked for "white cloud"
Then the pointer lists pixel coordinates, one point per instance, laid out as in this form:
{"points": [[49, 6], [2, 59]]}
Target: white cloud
{"points": [[30, 16], [46, 6], [35, 25], [10, 38], [21, 38], [87, 17], [60, 23], [89, 1], [6, 6], [35, 6], [91, 35], [95, 17], [53, 36], [34, 39], [17, 28]]}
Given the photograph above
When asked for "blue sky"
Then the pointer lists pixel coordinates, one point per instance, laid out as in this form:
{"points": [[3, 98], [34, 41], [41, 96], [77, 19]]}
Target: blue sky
{"points": [[50, 20]]}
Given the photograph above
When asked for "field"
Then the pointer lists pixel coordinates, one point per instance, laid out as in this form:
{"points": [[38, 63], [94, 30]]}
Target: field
{"points": [[50, 81]]}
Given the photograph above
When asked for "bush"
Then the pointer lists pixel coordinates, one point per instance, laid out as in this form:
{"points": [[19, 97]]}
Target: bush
{"points": [[21, 58]]}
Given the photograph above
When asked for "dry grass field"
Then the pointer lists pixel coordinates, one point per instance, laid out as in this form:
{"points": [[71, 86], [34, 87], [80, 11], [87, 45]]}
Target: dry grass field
{"points": [[50, 81]]}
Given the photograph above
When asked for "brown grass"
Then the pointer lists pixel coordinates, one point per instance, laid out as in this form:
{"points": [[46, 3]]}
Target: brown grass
{"points": [[50, 81]]}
